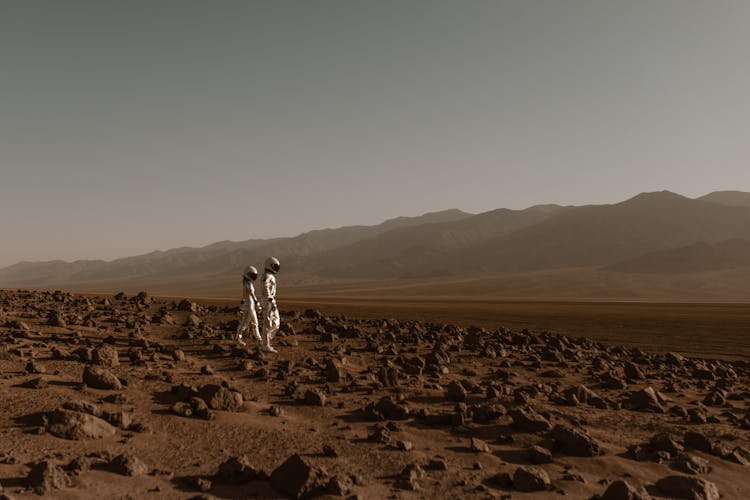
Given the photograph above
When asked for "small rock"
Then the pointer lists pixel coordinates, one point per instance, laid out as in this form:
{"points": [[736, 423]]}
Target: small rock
{"points": [[338, 486], [80, 465], [36, 383], [529, 420], [34, 367], [203, 484], [455, 391], [410, 476], [692, 464], [530, 478], [697, 441], [315, 397], [105, 356], [479, 446], [55, 318], [632, 371], [186, 305], [698, 415], [118, 418], [664, 442], [380, 435], [502, 479], [329, 451], [539, 455], [574, 442], [387, 409], [437, 464], [128, 465], [275, 411], [404, 445], [45, 476], [622, 490], [193, 321], [238, 470], [298, 477], [645, 400], [335, 371]]}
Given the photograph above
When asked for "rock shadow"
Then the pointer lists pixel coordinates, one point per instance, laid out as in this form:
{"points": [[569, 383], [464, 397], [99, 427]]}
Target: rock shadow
{"points": [[250, 489]]}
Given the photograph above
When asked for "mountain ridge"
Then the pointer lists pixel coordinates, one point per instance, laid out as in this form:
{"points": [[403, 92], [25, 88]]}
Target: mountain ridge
{"points": [[433, 245]]}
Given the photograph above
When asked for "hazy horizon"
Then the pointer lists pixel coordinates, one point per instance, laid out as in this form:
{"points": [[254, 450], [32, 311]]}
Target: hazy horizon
{"points": [[338, 227], [132, 127]]}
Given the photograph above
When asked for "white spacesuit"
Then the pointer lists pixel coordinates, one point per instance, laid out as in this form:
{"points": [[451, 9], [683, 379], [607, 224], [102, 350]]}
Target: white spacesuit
{"points": [[250, 307], [271, 317]]}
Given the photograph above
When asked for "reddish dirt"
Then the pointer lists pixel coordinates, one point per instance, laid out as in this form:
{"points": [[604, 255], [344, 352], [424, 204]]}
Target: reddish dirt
{"points": [[527, 370], [698, 329]]}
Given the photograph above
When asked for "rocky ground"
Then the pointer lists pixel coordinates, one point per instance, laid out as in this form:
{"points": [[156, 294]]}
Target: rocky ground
{"points": [[138, 397]]}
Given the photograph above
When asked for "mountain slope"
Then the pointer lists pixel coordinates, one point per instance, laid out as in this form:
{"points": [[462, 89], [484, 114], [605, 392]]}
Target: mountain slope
{"points": [[218, 258], [420, 250], [729, 198], [697, 257], [599, 235]]}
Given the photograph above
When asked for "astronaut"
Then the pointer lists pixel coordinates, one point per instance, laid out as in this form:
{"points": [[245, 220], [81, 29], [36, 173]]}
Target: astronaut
{"points": [[271, 318], [250, 307]]}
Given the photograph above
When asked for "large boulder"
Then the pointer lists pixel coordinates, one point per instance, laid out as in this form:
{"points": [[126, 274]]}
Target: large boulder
{"points": [[697, 441], [688, 487], [529, 420], [574, 442], [298, 478], [45, 476], [645, 400], [218, 397], [77, 426], [100, 378], [663, 441], [128, 465], [622, 490]]}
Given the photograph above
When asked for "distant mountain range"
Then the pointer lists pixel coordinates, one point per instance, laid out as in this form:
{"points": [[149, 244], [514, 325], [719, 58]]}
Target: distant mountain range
{"points": [[657, 234]]}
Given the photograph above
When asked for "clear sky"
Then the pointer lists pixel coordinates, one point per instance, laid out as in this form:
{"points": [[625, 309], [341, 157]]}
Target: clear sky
{"points": [[132, 126]]}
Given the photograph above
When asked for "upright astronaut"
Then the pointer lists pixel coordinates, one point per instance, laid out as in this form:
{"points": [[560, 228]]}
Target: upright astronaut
{"points": [[248, 314], [271, 318]]}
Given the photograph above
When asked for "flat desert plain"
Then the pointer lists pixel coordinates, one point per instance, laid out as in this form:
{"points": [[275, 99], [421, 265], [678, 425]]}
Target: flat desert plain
{"points": [[699, 329]]}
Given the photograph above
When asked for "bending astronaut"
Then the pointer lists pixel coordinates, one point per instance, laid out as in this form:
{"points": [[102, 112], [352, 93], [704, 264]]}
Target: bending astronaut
{"points": [[250, 307], [271, 317]]}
